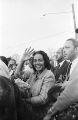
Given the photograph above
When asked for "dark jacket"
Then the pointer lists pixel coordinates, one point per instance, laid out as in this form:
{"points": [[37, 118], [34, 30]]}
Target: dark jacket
{"points": [[7, 100], [60, 73]]}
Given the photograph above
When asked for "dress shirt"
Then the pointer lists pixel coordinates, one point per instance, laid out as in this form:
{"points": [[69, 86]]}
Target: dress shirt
{"points": [[61, 63]]}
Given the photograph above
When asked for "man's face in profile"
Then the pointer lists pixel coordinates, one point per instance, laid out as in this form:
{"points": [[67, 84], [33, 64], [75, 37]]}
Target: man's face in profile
{"points": [[68, 50]]}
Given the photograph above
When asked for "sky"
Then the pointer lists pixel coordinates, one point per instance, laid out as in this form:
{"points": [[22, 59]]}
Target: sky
{"points": [[41, 24]]}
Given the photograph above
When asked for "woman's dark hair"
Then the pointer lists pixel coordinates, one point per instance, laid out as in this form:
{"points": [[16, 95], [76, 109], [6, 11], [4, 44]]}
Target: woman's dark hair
{"points": [[9, 58], [4, 59], [45, 57]]}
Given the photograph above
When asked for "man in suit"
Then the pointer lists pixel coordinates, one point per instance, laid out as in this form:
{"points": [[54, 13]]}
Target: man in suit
{"points": [[70, 93], [62, 67]]}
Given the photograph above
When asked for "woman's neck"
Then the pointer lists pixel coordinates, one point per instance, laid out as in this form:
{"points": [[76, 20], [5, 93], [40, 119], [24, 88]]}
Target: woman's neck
{"points": [[39, 72]]}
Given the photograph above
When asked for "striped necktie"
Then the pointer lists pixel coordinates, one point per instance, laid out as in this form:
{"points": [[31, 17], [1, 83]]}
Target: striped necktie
{"points": [[68, 71]]}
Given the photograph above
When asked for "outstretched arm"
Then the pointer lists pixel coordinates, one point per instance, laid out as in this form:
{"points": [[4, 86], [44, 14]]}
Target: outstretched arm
{"points": [[26, 55]]}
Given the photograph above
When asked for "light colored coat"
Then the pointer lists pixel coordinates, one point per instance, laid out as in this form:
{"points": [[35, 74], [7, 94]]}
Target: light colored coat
{"points": [[40, 86]]}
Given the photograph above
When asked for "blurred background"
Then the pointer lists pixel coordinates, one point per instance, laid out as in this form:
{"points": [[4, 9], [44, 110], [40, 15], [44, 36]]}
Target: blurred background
{"points": [[41, 24]]}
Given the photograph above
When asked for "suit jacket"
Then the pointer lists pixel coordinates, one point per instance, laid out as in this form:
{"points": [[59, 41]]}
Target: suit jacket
{"points": [[60, 73], [70, 93]]}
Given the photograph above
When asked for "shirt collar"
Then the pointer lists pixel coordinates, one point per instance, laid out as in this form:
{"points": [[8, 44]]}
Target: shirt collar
{"points": [[41, 74], [61, 63]]}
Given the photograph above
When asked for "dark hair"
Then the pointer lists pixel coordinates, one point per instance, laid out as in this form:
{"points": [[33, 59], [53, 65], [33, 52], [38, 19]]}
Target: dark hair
{"points": [[45, 57], [74, 41], [4, 59], [9, 58]]}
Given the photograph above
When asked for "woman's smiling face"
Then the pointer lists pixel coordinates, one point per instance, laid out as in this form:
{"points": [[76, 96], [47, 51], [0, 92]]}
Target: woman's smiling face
{"points": [[38, 62]]}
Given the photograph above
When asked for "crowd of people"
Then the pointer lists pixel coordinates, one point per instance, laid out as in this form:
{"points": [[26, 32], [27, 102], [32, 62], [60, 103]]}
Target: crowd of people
{"points": [[37, 89]]}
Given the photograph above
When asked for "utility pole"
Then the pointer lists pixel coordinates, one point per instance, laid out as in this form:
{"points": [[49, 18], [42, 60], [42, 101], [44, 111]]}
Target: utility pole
{"points": [[74, 19], [76, 32]]}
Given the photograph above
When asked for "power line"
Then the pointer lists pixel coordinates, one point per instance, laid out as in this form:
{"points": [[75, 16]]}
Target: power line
{"points": [[57, 13], [54, 35]]}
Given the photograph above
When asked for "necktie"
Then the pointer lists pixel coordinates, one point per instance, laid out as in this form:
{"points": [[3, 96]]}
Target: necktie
{"points": [[68, 71]]}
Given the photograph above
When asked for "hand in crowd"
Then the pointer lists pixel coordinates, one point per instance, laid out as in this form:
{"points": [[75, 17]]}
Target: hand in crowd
{"points": [[26, 56], [22, 84], [47, 117], [27, 53]]}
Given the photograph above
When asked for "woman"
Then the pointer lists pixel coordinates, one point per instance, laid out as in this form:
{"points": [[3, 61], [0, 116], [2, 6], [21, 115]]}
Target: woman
{"points": [[12, 66], [40, 83]]}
